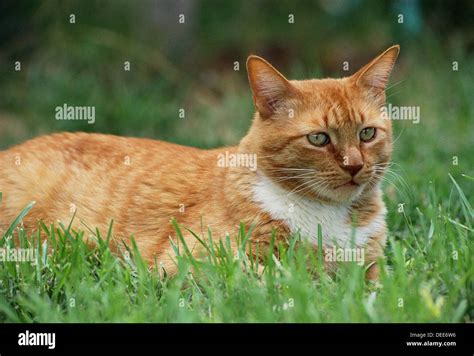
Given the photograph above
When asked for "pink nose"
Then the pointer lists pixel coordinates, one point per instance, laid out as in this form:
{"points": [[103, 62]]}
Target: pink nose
{"points": [[352, 169]]}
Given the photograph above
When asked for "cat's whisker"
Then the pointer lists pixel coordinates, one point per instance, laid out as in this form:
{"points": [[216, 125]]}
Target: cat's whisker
{"points": [[399, 135], [387, 169], [389, 180], [393, 94], [321, 186], [400, 179], [389, 163], [269, 156], [301, 186], [308, 184], [295, 176], [292, 169], [295, 190], [394, 84], [299, 176]]}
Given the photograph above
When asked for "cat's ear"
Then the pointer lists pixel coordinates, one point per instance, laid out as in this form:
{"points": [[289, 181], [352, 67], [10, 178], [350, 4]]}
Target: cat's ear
{"points": [[373, 77], [269, 87]]}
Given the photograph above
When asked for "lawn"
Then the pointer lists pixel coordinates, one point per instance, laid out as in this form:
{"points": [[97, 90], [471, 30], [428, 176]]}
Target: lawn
{"points": [[428, 273]]}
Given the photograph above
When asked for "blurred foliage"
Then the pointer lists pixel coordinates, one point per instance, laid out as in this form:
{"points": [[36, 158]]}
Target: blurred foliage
{"points": [[191, 65]]}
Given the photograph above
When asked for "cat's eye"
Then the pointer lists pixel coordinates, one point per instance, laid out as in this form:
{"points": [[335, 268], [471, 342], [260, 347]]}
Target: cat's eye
{"points": [[319, 139], [367, 134]]}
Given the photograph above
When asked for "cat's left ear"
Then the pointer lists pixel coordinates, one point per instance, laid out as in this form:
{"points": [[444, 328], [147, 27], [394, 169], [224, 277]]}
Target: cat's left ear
{"points": [[373, 77]]}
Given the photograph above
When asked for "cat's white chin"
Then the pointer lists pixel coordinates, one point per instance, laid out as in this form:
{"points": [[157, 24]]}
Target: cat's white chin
{"points": [[344, 193], [303, 213]]}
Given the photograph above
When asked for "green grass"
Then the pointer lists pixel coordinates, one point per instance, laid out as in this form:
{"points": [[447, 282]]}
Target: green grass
{"points": [[428, 277]]}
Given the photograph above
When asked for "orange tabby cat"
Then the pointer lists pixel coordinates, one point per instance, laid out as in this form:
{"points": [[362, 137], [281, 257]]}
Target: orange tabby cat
{"points": [[321, 148]]}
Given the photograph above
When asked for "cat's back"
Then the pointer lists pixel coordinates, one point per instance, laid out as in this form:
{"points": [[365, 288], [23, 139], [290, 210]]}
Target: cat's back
{"points": [[102, 176], [79, 146], [96, 153]]}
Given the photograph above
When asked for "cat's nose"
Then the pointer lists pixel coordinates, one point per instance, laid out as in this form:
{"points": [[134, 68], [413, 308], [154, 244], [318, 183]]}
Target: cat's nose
{"points": [[352, 169]]}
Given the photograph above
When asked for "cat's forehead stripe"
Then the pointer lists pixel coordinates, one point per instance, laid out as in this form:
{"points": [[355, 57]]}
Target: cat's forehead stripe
{"points": [[342, 114]]}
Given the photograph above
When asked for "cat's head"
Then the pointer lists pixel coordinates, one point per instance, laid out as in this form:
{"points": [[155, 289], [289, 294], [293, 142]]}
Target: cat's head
{"points": [[324, 138]]}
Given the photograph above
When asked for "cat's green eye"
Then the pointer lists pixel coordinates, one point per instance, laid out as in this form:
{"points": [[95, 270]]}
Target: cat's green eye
{"points": [[367, 134], [318, 139]]}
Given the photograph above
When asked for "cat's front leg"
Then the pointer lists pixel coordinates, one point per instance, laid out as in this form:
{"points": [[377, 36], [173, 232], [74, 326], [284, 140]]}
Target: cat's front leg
{"points": [[374, 252]]}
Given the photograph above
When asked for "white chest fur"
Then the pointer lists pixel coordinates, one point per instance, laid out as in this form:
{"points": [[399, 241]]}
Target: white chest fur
{"points": [[303, 215]]}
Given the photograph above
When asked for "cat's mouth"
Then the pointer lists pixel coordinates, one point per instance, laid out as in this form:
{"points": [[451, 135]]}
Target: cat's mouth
{"points": [[351, 183]]}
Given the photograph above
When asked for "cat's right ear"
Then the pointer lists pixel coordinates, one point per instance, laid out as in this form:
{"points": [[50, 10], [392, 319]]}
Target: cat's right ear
{"points": [[269, 87], [373, 78]]}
